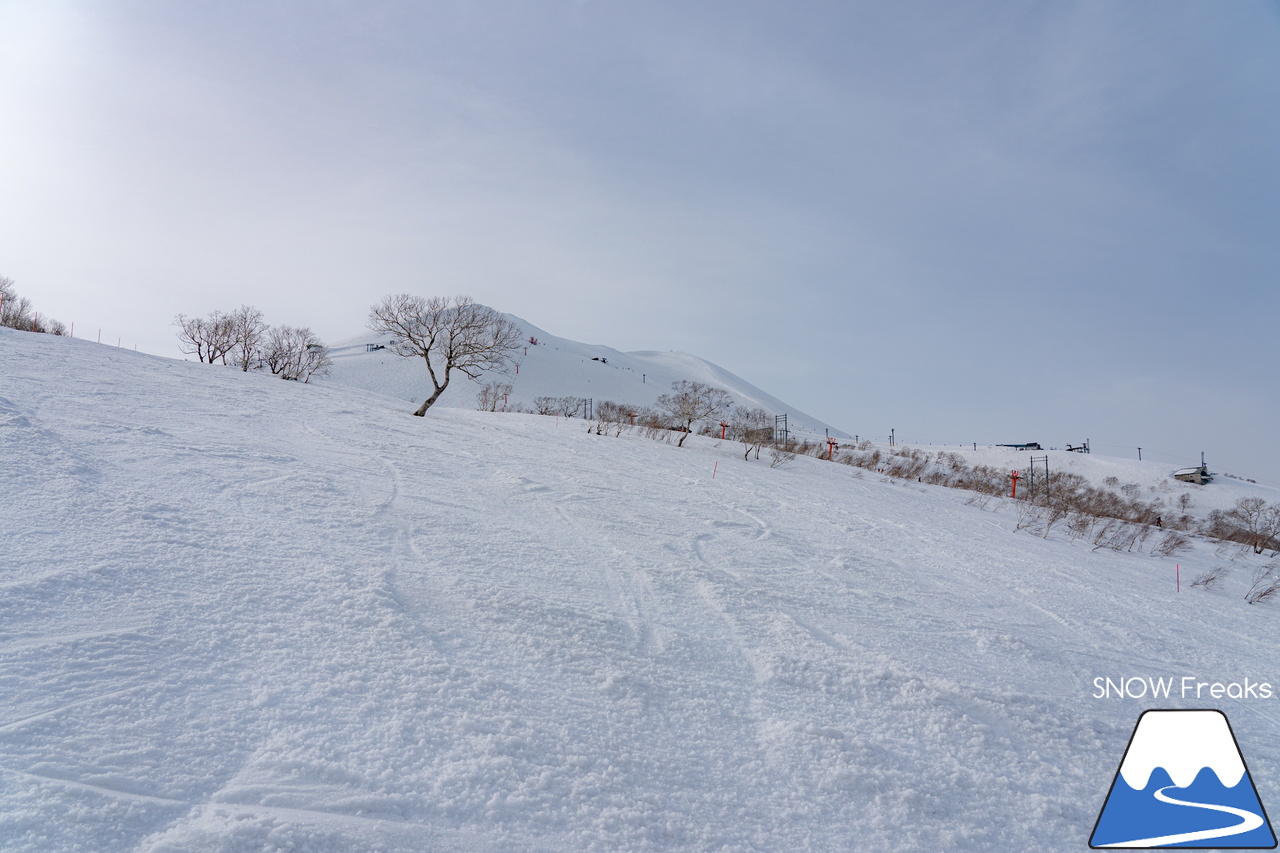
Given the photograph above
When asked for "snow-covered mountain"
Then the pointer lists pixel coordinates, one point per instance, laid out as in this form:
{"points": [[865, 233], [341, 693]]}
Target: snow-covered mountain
{"points": [[238, 614], [556, 367]]}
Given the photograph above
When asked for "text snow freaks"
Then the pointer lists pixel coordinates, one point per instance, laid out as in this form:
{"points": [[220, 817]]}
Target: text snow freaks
{"points": [[1186, 687]]}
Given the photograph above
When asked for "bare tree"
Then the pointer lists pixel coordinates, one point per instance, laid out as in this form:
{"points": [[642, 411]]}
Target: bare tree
{"points": [[447, 334], [492, 396], [207, 338], [247, 330], [544, 405], [752, 427], [294, 353], [570, 407], [690, 402]]}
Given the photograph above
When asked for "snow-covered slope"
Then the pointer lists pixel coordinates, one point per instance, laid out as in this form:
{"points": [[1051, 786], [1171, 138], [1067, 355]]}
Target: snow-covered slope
{"points": [[244, 614], [556, 367]]}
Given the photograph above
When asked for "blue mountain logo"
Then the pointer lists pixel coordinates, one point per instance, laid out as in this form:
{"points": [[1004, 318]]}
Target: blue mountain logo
{"points": [[1183, 783]]}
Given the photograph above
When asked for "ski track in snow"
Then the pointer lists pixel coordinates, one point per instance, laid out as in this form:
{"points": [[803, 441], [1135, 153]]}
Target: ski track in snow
{"points": [[242, 614]]}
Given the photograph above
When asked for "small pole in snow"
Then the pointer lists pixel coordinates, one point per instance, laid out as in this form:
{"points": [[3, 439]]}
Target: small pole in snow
{"points": [[714, 469], [723, 426], [73, 328], [1139, 454], [1177, 574], [99, 336]]}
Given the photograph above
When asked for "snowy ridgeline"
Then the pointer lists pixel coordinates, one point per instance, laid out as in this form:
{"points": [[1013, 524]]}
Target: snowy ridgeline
{"points": [[245, 614]]}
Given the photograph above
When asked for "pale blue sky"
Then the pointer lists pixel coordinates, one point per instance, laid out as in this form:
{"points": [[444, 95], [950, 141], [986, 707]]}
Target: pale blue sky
{"points": [[968, 222]]}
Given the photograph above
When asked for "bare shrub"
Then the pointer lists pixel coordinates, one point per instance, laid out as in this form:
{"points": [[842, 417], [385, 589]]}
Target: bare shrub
{"points": [[1104, 533], [544, 405], [1079, 525], [1028, 515], [906, 464], [1053, 513], [1211, 578], [612, 417], [1265, 585], [653, 426], [1172, 543], [1115, 534], [979, 500], [781, 454]]}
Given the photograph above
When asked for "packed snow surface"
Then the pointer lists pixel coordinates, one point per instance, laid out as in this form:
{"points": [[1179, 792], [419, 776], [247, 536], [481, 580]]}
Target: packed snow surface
{"points": [[241, 614]]}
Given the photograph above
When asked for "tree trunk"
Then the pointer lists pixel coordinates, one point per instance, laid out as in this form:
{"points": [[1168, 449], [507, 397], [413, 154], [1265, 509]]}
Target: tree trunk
{"points": [[427, 403]]}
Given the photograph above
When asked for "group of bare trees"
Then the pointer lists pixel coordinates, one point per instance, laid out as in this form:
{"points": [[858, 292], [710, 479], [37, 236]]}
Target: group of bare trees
{"points": [[492, 396], [17, 312], [243, 339], [1252, 522], [566, 407]]}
